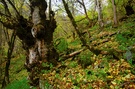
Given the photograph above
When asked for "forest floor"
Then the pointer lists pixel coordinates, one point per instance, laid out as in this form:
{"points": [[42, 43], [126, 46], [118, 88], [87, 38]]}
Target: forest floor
{"points": [[112, 68], [89, 71]]}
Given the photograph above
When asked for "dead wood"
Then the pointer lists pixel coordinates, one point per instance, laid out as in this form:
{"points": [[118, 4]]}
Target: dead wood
{"points": [[64, 57]]}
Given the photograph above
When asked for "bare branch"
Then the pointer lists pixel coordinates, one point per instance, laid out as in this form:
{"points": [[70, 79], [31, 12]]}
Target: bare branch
{"points": [[84, 7], [80, 2]]}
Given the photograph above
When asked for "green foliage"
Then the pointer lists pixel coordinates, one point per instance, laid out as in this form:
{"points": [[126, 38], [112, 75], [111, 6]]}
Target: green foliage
{"points": [[19, 84], [124, 42], [61, 45], [79, 17], [85, 58], [76, 87], [73, 64], [46, 66], [57, 76], [4, 51], [81, 21], [75, 44], [101, 74], [18, 63], [121, 39], [126, 39], [94, 27], [45, 85], [59, 32]]}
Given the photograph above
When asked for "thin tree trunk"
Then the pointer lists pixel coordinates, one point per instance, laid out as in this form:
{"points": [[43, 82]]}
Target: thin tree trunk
{"points": [[73, 13], [73, 22], [0, 36], [114, 13], [100, 16], [0, 52], [9, 54], [87, 17], [95, 51]]}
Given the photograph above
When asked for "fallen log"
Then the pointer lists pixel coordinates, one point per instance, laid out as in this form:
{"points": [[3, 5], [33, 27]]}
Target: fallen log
{"points": [[64, 57]]}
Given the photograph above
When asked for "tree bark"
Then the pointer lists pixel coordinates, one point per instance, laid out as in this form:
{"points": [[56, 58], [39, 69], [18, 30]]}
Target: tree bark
{"points": [[0, 36], [0, 52], [114, 13], [42, 49], [100, 16]]}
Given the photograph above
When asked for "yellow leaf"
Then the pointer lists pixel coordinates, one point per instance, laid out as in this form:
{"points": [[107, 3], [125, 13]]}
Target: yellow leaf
{"points": [[111, 87], [109, 77], [127, 76], [123, 78], [64, 79], [114, 83]]}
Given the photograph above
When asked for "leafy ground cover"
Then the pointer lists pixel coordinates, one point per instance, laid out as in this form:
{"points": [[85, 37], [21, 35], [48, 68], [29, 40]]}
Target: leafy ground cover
{"points": [[113, 68], [116, 74]]}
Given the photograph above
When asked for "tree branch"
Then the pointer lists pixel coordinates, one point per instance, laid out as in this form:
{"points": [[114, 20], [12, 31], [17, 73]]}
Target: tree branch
{"points": [[80, 2], [72, 54]]}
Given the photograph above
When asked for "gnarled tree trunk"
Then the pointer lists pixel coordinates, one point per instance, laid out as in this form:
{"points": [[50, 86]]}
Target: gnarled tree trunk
{"points": [[40, 48], [36, 35]]}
